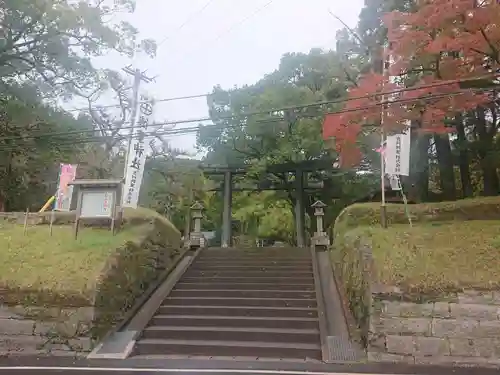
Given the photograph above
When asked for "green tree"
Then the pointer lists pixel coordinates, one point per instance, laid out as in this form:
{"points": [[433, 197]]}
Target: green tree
{"points": [[28, 165], [276, 137], [51, 42]]}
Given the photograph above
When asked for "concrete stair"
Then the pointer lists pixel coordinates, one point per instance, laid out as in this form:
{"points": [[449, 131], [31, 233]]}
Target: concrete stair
{"points": [[257, 302]]}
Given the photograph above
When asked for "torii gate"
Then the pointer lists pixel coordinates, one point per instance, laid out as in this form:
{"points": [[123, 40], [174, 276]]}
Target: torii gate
{"points": [[300, 170]]}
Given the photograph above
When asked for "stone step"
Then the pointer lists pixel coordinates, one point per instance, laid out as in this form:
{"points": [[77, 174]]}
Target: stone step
{"points": [[256, 258], [228, 349], [253, 268], [225, 293], [237, 311], [254, 262], [256, 302], [249, 280], [248, 273], [242, 286], [232, 321], [222, 333], [240, 302]]}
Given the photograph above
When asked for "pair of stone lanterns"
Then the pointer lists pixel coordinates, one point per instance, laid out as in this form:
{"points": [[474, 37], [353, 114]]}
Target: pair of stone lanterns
{"points": [[196, 239]]}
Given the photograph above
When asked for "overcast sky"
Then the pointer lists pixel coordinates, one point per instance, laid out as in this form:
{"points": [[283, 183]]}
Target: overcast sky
{"points": [[228, 42]]}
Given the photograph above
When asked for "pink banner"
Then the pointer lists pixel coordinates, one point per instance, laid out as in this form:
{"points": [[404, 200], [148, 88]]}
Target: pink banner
{"points": [[64, 193]]}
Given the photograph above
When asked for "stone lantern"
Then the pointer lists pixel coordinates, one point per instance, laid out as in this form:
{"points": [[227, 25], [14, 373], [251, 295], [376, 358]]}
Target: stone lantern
{"points": [[320, 237], [196, 238]]}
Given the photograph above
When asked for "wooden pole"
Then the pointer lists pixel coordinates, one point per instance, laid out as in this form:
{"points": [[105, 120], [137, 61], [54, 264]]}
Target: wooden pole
{"points": [[52, 217], [383, 207], [26, 220]]}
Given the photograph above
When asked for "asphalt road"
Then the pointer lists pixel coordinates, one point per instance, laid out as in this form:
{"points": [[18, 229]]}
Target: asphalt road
{"points": [[118, 371], [69, 366]]}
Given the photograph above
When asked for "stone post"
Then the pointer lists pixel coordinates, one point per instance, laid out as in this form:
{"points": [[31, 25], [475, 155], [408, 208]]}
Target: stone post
{"points": [[196, 238], [320, 238], [300, 212], [227, 213]]}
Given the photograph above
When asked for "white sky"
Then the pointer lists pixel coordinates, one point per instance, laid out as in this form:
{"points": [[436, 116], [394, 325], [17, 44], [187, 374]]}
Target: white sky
{"points": [[215, 47]]}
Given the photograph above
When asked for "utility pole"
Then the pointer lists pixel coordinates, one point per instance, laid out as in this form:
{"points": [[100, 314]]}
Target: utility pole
{"points": [[138, 78]]}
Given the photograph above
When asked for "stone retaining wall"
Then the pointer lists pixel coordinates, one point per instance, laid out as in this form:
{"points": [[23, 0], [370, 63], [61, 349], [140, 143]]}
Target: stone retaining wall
{"points": [[45, 331], [463, 329]]}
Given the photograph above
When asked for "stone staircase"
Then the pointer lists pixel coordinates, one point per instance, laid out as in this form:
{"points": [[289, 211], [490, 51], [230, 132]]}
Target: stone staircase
{"points": [[251, 303]]}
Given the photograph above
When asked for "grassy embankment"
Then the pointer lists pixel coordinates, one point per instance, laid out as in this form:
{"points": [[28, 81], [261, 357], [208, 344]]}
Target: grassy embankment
{"points": [[37, 268], [452, 246]]}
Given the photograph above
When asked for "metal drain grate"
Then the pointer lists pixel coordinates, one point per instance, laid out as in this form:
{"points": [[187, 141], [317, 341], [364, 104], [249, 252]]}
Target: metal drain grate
{"points": [[341, 349]]}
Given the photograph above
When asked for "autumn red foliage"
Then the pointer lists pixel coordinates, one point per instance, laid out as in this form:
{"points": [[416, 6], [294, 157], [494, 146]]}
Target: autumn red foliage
{"points": [[434, 49]]}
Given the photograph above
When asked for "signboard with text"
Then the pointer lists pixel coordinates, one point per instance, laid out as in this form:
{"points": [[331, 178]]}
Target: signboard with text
{"points": [[97, 204]]}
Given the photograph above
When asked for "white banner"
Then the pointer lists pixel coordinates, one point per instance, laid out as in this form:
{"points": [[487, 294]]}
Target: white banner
{"points": [[137, 156], [135, 170], [394, 182], [397, 154]]}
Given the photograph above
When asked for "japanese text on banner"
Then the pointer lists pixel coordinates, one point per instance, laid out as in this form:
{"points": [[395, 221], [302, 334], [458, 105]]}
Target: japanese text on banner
{"points": [[137, 157], [397, 154], [135, 170]]}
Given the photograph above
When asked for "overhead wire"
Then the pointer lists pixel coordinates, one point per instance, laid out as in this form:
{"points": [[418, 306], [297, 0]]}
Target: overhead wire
{"points": [[84, 109], [256, 113], [188, 20], [194, 129], [231, 28], [216, 39], [242, 21]]}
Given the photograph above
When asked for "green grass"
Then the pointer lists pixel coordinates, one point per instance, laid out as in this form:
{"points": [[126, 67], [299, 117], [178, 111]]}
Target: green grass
{"points": [[37, 261], [452, 245], [368, 214], [58, 265], [434, 257]]}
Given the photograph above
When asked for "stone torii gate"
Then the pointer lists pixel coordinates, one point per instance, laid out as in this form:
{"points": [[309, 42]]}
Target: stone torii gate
{"points": [[300, 171]]}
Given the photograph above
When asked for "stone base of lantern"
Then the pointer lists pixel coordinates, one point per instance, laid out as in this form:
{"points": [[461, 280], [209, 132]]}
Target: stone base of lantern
{"points": [[320, 239]]}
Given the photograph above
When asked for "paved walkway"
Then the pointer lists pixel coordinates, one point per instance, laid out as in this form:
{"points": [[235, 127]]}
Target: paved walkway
{"points": [[69, 366]]}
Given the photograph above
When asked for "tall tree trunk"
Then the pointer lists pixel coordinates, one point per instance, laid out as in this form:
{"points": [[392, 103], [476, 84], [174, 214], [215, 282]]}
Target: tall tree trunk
{"points": [[419, 169], [463, 158], [7, 184], [445, 164], [488, 164]]}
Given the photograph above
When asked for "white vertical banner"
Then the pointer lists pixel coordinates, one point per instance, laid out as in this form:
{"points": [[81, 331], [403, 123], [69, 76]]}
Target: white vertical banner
{"points": [[137, 156], [135, 170], [397, 154]]}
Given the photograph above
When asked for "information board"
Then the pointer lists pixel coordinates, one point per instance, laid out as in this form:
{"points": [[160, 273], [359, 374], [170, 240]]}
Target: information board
{"points": [[97, 204]]}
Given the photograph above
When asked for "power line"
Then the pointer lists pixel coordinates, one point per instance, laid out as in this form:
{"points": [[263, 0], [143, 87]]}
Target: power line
{"points": [[186, 22], [195, 129], [227, 31], [282, 109], [156, 101], [405, 89], [120, 138], [242, 21], [232, 27]]}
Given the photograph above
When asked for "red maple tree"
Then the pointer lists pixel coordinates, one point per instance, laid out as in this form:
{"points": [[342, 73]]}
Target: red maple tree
{"points": [[434, 51]]}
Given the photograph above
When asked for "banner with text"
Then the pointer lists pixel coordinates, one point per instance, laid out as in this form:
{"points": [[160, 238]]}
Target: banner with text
{"points": [[135, 170], [67, 174], [136, 158], [397, 154]]}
